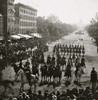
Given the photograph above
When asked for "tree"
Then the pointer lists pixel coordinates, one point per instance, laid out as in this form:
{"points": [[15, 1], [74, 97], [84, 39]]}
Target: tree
{"points": [[93, 28], [51, 28]]}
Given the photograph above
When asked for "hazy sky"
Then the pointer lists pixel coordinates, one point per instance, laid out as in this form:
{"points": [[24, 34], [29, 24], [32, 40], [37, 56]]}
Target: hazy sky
{"points": [[69, 11]]}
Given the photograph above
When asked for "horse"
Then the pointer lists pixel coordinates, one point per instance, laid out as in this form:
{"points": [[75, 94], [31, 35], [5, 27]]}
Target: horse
{"points": [[63, 63], [83, 63], [35, 69], [21, 76], [57, 73], [7, 78], [44, 72], [50, 72], [78, 74], [68, 72]]}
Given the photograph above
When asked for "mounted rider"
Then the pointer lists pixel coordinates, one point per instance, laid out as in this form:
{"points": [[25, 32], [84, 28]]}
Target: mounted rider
{"points": [[35, 70], [27, 71], [83, 62], [48, 59], [53, 60], [77, 65], [93, 79]]}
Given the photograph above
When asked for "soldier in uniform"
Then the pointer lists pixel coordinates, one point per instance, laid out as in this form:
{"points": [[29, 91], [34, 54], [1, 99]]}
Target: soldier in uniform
{"points": [[27, 71], [53, 60], [48, 59], [93, 79]]}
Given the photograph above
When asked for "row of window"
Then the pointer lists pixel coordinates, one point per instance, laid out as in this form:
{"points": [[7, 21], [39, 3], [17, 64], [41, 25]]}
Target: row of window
{"points": [[22, 31], [27, 17], [27, 11], [27, 24]]}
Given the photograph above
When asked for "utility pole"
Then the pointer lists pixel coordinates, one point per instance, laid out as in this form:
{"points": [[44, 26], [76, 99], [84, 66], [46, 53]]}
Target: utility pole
{"points": [[6, 38]]}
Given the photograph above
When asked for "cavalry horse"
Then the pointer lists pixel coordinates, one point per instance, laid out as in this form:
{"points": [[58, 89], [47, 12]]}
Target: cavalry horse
{"points": [[80, 70], [78, 73], [44, 73], [57, 73], [50, 72], [7, 78], [68, 72], [21, 76]]}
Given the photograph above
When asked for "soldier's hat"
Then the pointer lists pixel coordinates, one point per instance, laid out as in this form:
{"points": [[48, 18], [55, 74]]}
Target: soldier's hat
{"points": [[93, 68]]}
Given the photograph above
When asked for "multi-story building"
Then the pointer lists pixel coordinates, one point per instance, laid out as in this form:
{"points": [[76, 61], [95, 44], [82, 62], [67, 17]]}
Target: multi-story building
{"points": [[25, 19], [1, 25]]}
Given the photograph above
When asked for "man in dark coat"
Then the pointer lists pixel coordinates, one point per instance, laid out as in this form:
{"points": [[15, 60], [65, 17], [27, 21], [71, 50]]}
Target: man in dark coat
{"points": [[93, 79]]}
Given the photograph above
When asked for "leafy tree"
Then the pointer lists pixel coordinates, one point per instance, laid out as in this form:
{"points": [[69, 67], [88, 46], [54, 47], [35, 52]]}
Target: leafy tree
{"points": [[93, 28], [51, 28]]}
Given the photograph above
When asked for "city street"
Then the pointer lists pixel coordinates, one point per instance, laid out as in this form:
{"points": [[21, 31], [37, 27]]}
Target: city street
{"points": [[49, 50], [91, 58]]}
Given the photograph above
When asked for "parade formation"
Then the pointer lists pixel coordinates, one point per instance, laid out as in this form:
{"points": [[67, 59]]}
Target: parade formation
{"points": [[44, 57], [66, 61], [60, 64]]}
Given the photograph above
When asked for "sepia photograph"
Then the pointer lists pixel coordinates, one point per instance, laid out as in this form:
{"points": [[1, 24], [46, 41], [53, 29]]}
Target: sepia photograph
{"points": [[48, 49]]}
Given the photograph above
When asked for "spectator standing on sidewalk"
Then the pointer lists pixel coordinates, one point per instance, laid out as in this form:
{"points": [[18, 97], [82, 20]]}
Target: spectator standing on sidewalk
{"points": [[93, 79]]}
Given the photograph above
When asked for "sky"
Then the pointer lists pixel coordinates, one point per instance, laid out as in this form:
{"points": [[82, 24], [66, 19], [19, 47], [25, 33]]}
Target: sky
{"points": [[68, 11]]}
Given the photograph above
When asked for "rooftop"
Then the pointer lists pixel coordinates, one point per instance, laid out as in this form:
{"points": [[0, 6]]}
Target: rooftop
{"points": [[25, 6]]}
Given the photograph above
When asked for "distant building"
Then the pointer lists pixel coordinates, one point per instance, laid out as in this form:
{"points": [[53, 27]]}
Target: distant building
{"points": [[25, 19], [1, 25]]}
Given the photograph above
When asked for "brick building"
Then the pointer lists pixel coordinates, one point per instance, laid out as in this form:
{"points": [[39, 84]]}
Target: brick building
{"points": [[25, 19]]}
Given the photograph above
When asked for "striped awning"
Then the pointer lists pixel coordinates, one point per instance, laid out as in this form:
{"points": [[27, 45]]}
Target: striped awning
{"points": [[25, 36], [36, 35], [1, 38], [16, 37]]}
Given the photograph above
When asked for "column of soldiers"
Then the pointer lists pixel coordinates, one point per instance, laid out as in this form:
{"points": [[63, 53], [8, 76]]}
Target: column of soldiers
{"points": [[54, 63], [69, 49]]}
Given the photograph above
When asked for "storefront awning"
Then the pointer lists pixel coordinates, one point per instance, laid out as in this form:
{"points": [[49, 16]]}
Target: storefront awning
{"points": [[36, 35], [1, 38], [16, 37], [25, 36]]}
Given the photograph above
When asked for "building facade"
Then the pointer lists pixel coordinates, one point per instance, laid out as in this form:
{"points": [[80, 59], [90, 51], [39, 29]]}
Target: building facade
{"points": [[3, 12], [7, 11], [10, 16], [25, 19], [1, 25]]}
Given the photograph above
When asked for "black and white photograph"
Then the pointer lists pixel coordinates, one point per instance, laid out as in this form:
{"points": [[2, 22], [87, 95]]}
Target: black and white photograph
{"points": [[48, 49]]}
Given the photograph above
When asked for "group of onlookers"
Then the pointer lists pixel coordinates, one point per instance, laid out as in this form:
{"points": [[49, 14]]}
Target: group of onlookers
{"points": [[74, 94]]}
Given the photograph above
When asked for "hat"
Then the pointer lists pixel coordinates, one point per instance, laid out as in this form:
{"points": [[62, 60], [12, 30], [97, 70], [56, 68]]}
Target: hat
{"points": [[93, 68], [14, 98]]}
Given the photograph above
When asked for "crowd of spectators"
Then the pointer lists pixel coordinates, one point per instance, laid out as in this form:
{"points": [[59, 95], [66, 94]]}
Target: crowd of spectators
{"points": [[17, 50], [74, 94]]}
